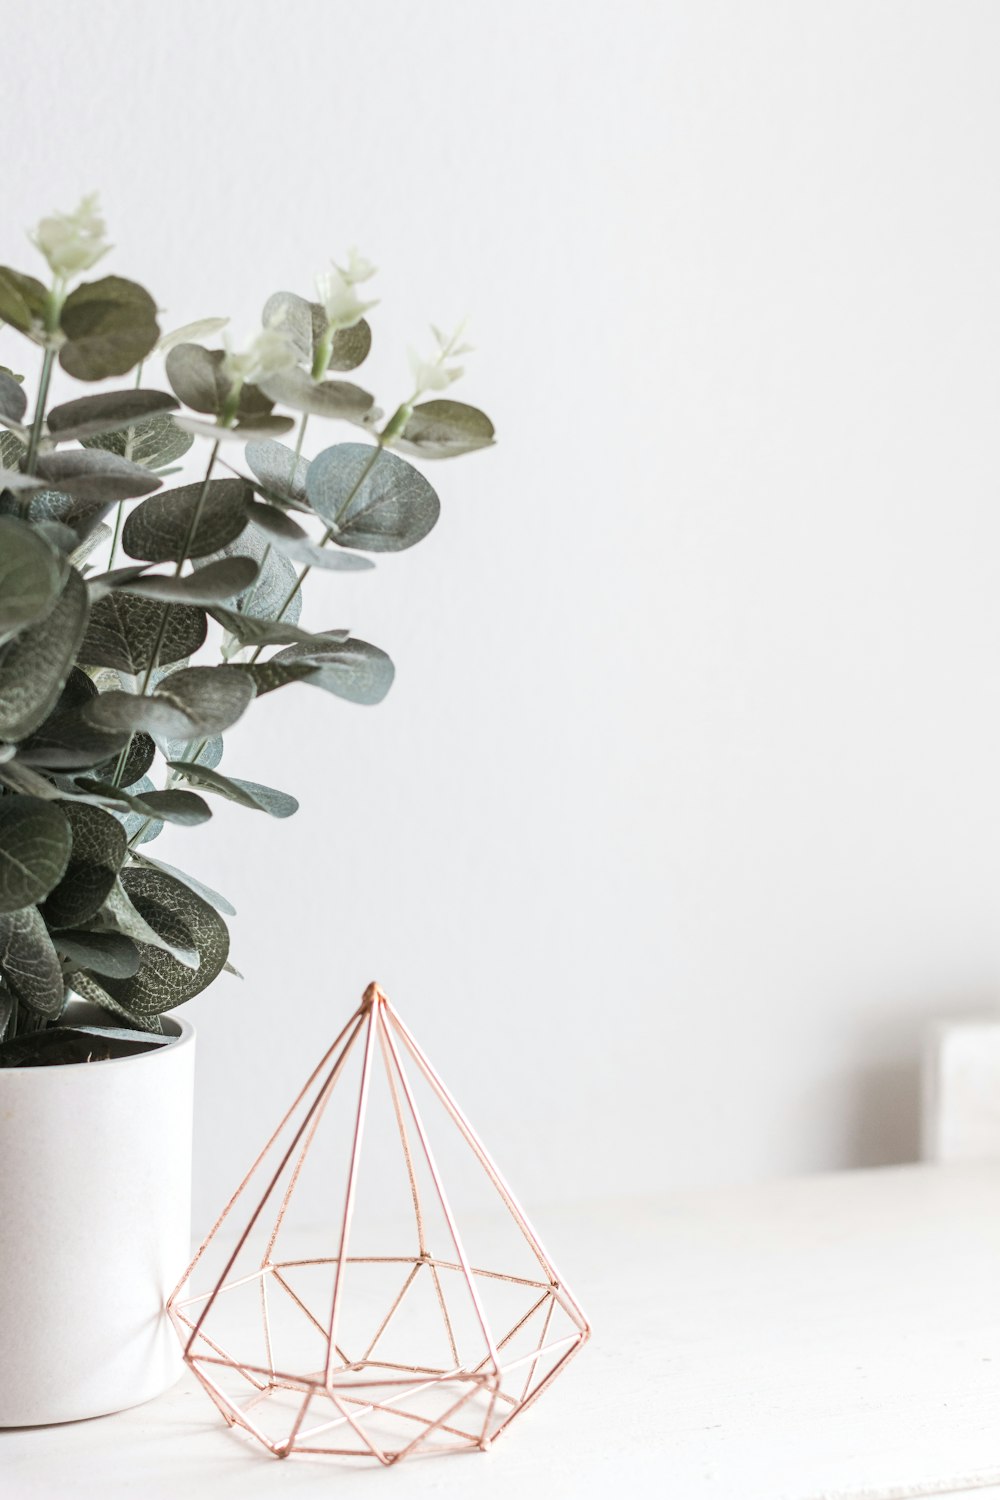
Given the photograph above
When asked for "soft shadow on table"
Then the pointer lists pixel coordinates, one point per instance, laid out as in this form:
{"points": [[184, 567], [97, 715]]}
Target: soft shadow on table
{"points": [[886, 1120]]}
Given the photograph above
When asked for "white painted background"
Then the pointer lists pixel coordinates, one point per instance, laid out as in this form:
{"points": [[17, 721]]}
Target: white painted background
{"points": [[683, 814]]}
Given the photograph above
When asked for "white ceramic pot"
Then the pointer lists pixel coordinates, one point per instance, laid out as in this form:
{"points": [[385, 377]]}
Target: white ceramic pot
{"points": [[95, 1204]]}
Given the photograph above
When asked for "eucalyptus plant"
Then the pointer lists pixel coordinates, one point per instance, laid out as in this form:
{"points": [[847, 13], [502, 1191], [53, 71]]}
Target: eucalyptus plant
{"points": [[115, 591]]}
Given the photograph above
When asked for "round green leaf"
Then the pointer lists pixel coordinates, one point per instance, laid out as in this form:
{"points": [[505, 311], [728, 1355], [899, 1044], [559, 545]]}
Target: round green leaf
{"points": [[35, 843], [373, 500], [210, 584], [32, 574], [251, 631], [325, 398], [351, 669], [105, 952], [124, 632], [13, 401], [156, 530], [110, 325], [351, 347], [246, 793], [282, 475], [111, 411], [193, 701], [196, 377], [29, 964], [294, 542], [23, 300], [183, 918], [276, 580], [153, 442], [170, 806], [36, 663], [445, 429], [97, 854], [86, 474]]}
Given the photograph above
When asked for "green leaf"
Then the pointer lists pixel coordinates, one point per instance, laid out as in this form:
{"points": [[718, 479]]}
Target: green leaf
{"points": [[124, 632], [372, 499], [293, 316], [251, 631], [13, 401], [245, 431], [97, 854], [204, 891], [156, 530], [105, 952], [289, 538], [282, 476], [170, 806], [153, 442], [32, 575], [174, 911], [196, 377], [305, 323], [351, 346], [210, 584], [275, 582], [68, 742], [29, 964], [35, 844], [110, 325], [12, 451], [325, 398], [446, 429], [91, 475], [246, 793], [354, 670], [62, 1045], [111, 411], [193, 701], [118, 914], [23, 300], [35, 665]]}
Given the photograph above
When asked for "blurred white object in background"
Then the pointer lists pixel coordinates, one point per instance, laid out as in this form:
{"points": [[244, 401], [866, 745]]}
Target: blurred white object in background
{"points": [[960, 1091]]}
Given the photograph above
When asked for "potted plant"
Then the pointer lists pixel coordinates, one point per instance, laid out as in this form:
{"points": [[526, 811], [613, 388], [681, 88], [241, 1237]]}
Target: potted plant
{"points": [[138, 621]]}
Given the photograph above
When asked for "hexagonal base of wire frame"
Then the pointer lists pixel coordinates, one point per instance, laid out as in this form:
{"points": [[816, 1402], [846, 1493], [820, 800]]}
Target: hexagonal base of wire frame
{"points": [[380, 1350]]}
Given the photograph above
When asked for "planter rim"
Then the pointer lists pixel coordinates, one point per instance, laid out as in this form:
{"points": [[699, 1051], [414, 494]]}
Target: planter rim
{"points": [[185, 1036]]}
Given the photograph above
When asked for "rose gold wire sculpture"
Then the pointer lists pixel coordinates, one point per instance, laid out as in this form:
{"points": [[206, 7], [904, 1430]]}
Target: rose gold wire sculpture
{"points": [[316, 1374]]}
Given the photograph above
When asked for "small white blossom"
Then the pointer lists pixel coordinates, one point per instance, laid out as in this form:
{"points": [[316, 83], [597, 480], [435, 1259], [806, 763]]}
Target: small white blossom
{"points": [[357, 268], [439, 371], [270, 353], [335, 288], [72, 243]]}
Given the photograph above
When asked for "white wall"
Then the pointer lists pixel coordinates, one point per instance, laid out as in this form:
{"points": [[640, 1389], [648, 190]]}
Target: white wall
{"points": [[684, 811]]}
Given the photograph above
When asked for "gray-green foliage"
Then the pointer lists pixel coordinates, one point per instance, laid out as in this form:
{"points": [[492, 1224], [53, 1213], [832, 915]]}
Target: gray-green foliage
{"points": [[119, 673]]}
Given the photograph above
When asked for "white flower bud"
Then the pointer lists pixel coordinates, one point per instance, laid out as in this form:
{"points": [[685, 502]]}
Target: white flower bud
{"points": [[72, 243], [271, 352]]}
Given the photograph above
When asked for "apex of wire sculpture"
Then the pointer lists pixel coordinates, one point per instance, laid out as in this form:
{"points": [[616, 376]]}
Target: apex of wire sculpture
{"points": [[422, 1318], [373, 995]]}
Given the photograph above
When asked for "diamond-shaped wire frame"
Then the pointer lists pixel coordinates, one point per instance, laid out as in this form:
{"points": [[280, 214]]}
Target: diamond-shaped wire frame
{"points": [[377, 1349]]}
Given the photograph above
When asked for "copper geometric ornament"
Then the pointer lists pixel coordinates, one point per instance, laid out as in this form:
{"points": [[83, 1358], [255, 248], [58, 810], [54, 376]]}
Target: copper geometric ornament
{"points": [[375, 1347]]}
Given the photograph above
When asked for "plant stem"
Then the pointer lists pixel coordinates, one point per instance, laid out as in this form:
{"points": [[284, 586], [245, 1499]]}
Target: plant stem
{"points": [[48, 360], [161, 632], [120, 513], [189, 536], [268, 549]]}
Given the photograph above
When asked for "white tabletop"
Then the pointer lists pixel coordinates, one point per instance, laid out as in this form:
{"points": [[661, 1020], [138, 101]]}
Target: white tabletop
{"points": [[812, 1338]]}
